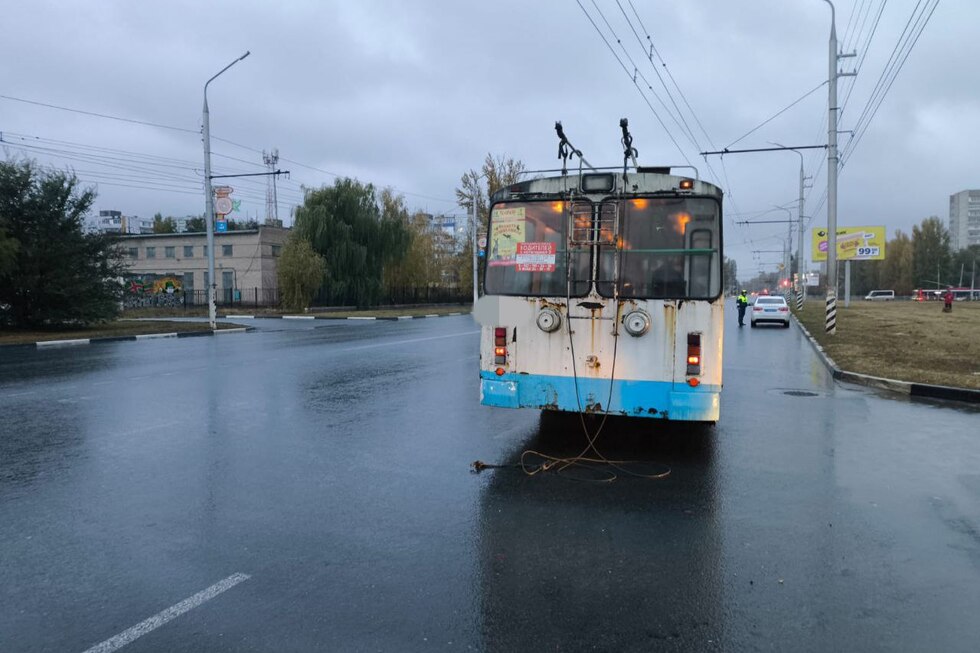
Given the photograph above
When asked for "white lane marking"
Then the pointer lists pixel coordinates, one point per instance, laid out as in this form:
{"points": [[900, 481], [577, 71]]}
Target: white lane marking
{"points": [[405, 342], [19, 394], [171, 613], [298, 317], [63, 343], [153, 336], [147, 428]]}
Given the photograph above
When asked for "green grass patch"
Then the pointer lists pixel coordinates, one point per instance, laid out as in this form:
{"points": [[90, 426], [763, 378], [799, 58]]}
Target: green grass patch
{"points": [[903, 340]]}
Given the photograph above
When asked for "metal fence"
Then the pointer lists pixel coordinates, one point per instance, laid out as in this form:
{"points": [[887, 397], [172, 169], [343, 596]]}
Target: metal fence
{"points": [[271, 297]]}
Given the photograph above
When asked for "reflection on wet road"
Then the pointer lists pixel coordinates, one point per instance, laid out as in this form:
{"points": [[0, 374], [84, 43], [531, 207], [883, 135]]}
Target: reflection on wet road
{"points": [[329, 464]]}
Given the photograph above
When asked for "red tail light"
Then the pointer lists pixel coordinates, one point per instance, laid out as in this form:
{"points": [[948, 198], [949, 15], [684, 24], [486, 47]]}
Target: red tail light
{"points": [[694, 353], [756, 309], [783, 309], [500, 347]]}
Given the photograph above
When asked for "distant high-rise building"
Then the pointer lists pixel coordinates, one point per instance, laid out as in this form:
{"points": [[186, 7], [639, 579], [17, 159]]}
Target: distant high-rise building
{"points": [[964, 219]]}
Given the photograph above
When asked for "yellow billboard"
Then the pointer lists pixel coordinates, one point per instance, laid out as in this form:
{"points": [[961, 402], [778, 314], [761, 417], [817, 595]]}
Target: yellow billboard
{"points": [[853, 244]]}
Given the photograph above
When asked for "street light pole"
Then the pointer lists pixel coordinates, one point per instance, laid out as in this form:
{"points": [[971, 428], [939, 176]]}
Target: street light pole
{"points": [[476, 292], [209, 198]]}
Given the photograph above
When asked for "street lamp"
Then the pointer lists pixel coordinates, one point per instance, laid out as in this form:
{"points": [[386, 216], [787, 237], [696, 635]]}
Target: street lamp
{"points": [[799, 250], [209, 197], [476, 293]]}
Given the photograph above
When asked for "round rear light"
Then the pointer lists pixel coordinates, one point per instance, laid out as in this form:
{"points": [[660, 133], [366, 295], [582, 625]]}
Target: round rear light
{"points": [[636, 323], [500, 371], [548, 320]]}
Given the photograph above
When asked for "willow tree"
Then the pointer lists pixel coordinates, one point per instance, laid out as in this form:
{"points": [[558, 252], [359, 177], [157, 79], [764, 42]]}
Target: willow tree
{"points": [[300, 273], [345, 225]]}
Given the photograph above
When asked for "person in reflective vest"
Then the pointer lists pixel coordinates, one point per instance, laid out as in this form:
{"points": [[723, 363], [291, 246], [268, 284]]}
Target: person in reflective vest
{"points": [[742, 303]]}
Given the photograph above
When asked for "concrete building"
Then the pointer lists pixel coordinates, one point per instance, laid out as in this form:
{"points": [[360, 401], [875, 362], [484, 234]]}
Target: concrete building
{"points": [[964, 219], [245, 266], [114, 222]]}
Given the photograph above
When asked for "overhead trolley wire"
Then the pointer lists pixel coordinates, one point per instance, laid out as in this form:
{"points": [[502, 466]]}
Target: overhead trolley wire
{"points": [[638, 88]]}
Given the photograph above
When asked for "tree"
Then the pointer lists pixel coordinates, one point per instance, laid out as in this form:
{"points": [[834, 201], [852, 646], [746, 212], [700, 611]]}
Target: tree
{"points": [[344, 224], [496, 173], [300, 273], [421, 266], [162, 225], [730, 275], [930, 253], [963, 266], [196, 225], [59, 274], [895, 272], [239, 225]]}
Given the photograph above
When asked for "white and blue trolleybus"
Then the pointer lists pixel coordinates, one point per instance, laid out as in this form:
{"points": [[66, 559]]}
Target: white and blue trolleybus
{"points": [[603, 292]]}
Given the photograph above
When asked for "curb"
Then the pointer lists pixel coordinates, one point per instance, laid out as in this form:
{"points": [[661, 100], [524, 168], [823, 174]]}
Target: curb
{"points": [[967, 395], [232, 316], [57, 344]]}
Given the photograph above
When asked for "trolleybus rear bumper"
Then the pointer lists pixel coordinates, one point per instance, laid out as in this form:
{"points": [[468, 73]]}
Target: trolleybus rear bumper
{"points": [[657, 399]]}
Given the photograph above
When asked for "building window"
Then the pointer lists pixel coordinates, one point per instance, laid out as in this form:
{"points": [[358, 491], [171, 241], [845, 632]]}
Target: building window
{"points": [[205, 248], [276, 249], [188, 251], [226, 250], [170, 252], [227, 279], [151, 252], [189, 285], [134, 252]]}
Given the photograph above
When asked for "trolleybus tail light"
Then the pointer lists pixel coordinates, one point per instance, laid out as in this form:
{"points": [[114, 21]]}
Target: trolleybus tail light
{"points": [[694, 353], [500, 347]]}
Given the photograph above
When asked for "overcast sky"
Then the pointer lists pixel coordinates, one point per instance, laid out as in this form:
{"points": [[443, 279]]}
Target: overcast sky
{"points": [[413, 94]]}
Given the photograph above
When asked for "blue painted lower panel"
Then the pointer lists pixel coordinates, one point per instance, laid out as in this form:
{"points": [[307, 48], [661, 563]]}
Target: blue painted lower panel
{"points": [[657, 399]]}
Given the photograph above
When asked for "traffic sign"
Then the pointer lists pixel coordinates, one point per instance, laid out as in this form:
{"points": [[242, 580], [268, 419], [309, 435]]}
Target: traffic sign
{"points": [[221, 225]]}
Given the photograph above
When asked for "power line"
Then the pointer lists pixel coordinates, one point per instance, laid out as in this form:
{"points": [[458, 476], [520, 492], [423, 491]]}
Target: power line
{"points": [[918, 28], [642, 94]]}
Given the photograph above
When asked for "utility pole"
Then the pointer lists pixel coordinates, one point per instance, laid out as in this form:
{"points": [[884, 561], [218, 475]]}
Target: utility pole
{"points": [[832, 110]]}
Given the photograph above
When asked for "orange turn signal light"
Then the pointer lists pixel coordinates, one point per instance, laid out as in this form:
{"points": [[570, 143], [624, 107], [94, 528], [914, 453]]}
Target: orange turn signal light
{"points": [[499, 351], [693, 382], [500, 371]]}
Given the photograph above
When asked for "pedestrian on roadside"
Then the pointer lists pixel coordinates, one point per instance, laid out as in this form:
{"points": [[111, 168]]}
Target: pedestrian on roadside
{"points": [[948, 300], [742, 303]]}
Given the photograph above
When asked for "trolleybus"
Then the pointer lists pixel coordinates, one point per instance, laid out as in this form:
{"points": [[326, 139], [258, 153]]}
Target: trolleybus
{"points": [[605, 293]]}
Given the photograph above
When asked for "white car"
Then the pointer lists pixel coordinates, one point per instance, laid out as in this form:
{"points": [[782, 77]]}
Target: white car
{"points": [[772, 309], [880, 296]]}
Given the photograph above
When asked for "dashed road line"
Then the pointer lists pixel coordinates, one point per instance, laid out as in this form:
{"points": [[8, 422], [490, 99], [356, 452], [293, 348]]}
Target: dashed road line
{"points": [[171, 613]]}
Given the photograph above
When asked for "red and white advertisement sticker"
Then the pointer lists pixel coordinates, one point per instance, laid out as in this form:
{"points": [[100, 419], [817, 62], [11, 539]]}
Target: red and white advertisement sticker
{"points": [[536, 257]]}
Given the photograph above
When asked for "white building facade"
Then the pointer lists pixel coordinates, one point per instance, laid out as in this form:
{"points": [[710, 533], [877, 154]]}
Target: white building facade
{"points": [[964, 219]]}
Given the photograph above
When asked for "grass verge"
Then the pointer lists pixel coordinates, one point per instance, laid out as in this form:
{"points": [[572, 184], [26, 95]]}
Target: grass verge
{"points": [[109, 330], [903, 340]]}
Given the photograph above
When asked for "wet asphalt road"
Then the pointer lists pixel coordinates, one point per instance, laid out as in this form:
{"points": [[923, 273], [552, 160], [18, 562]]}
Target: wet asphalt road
{"points": [[329, 462]]}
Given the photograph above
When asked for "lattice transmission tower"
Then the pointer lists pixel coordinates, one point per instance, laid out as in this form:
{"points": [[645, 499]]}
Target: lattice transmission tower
{"points": [[271, 159]]}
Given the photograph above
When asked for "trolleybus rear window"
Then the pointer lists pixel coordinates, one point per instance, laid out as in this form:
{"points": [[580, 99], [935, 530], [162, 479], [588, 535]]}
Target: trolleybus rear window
{"points": [[527, 251], [669, 248]]}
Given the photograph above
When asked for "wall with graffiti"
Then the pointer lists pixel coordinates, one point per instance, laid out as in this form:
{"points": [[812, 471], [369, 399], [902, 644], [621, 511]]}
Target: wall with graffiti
{"points": [[153, 290]]}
